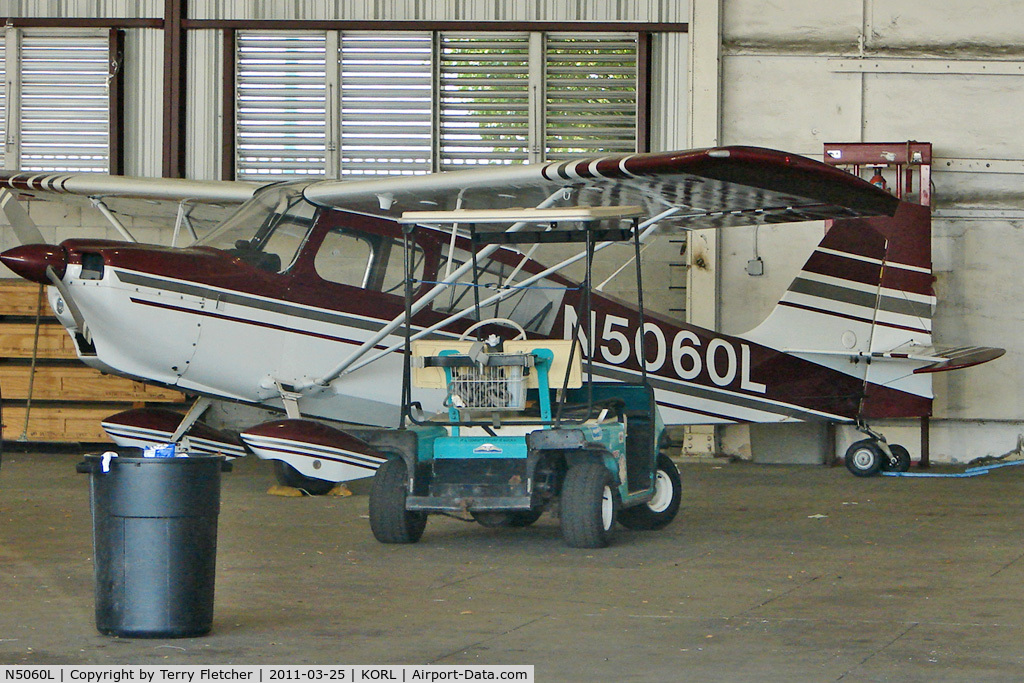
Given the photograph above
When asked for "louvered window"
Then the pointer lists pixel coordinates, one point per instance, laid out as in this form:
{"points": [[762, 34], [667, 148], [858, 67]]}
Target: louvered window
{"points": [[591, 90], [281, 110], [386, 104], [64, 116], [485, 99], [351, 104]]}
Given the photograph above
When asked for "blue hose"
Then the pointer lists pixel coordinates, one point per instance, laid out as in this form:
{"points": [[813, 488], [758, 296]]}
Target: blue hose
{"points": [[969, 472]]}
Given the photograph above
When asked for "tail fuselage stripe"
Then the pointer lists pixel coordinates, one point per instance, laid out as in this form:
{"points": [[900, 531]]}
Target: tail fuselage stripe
{"points": [[845, 316]]}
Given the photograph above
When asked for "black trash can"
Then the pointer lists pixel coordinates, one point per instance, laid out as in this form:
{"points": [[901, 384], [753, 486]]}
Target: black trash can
{"points": [[154, 543]]}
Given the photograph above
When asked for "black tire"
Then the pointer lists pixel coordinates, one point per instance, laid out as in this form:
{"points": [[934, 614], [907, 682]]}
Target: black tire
{"points": [[902, 456], [864, 458], [502, 520], [289, 476], [663, 507], [588, 505], [389, 520]]}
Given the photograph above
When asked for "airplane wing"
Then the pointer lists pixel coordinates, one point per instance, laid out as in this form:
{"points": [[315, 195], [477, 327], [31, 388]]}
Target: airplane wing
{"points": [[706, 188], [154, 199], [99, 185]]}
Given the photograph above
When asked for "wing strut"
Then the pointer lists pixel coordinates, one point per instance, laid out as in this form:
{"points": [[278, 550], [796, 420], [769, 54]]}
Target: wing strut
{"points": [[647, 226], [183, 218], [109, 215], [420, 304]]}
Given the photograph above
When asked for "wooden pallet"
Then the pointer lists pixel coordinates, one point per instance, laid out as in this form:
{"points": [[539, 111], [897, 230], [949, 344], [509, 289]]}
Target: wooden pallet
{"points": [[68, 399], [57, 424], [76, 383]]}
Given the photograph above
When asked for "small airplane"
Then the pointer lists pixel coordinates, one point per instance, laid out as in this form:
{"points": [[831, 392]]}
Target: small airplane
{"points": [[294, 302]]}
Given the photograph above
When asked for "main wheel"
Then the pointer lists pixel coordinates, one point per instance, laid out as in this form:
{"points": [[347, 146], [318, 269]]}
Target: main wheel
{"points": [[663, 506], [864, 458], [389, 520], [588, 505], [289, 476], [902, 456]]}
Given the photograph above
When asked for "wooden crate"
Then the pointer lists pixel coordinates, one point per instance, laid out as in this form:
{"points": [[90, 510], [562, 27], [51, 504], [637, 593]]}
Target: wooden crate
{"points": [[17, 340], [68, 399], [18, 297], [76, 383], [58, 424]]}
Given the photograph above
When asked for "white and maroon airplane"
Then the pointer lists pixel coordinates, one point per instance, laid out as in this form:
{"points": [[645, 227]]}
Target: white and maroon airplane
{"points": [[295, 301]]}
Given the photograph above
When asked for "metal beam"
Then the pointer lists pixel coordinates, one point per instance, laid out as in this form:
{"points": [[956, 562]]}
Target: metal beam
{"points": [[115, 129], [228, 105], [175, 12]]}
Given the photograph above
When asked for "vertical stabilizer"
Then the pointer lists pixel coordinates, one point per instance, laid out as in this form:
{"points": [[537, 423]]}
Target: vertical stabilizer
{"points": [[864, 295]]}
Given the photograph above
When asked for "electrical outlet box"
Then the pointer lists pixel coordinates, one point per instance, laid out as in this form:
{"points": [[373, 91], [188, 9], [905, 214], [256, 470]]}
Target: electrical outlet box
{"points": [[755, 267]]}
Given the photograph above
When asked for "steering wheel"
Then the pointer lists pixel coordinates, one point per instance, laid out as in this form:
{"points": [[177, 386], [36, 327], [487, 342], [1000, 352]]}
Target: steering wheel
{"points": [[520, 332]]}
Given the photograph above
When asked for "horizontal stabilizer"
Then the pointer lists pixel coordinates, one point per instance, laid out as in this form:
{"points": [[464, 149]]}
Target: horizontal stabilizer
{"points": [[961, 357]]}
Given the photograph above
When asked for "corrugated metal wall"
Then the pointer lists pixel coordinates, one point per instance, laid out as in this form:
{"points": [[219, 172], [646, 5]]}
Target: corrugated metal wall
{"points": [[144, 77], [447, 10], [134, 9], [203, 115]]}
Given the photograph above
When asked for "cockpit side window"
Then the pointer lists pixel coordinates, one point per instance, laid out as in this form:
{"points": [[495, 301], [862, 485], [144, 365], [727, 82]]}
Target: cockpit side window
{"points": [[366, 260], [344, 257]]}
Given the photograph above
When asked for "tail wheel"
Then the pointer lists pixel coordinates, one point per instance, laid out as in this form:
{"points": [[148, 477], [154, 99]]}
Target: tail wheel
{"points": [[389, 520], [864, 458], [662, 508], [902, 456], [588, 505]]}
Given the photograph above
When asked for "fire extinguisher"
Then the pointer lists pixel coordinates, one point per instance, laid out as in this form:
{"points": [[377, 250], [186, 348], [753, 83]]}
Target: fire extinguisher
{"points": [[878, 180]]}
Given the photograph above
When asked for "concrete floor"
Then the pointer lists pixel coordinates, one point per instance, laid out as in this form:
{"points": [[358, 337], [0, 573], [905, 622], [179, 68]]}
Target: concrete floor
{"points": [[771, 573]]}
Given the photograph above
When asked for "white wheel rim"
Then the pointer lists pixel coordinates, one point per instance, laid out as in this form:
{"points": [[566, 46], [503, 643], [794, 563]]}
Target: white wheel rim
{"points": [[662, 492], [607, 508], [863, 458]]}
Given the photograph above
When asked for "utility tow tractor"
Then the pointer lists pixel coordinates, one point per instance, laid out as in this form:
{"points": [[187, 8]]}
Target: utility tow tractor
{"points": [[526, 427]]}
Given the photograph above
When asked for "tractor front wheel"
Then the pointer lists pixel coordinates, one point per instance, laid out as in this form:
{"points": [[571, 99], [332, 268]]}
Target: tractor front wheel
{"points": [[588, 505], [389, 520]]}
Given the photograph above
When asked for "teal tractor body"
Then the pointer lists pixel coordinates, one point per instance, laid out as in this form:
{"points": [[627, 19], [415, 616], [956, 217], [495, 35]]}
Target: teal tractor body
{"points": [[511, 447]]}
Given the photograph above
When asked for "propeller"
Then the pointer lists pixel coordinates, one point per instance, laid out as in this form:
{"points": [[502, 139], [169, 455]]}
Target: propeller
{"points": [[24, 227], [36, 260]]}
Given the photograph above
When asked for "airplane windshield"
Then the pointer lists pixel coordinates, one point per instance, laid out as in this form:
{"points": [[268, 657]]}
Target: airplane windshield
{"points": [[268, 230]]}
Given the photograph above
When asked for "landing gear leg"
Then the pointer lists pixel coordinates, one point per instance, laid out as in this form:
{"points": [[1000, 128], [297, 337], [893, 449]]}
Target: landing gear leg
{"points": [[193, 414]]}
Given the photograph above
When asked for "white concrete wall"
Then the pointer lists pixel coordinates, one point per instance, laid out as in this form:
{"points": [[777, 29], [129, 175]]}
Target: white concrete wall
{"points": [[791, 81]]}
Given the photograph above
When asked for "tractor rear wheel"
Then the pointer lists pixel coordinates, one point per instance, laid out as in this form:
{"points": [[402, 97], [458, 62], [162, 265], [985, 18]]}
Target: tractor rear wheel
{"points": [[662, 508]]}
